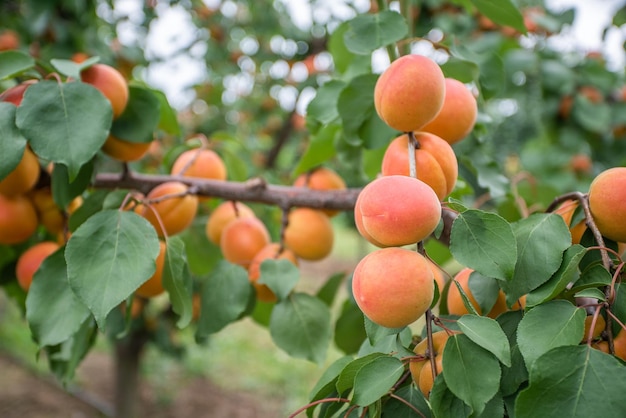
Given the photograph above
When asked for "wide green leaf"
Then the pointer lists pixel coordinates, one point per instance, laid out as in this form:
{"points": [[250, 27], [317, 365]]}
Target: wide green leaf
{"points": [[549, 325], [140, 118], [349, 329], [375, 379], [300, 325], [345, 381], [12, 63], [485, 242], [13, 143], [368, 32], [177, 280], [323, 107], [574, 381], [225, 296], [471, 372], [356, 106], [487, 333], [502, 12], [53, 312], [65, 122], [108, 257], [328, 291], [320, 148], [279, 275]]}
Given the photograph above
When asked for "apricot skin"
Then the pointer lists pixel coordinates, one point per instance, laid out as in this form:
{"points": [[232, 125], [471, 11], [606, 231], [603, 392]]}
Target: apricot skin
{"points": [[200, 163], [393, 287], [399, 210], [15, 94], [176, 213], [607, 201], [435, 161], [309, 234], [222, 215], [154, 285], [124, 150], [111, 84], [50, 216], [322, 178], [421, 370], [29, 261], [270, 251], [18, 219], [24, 177], [457, 116], [242, 239], [410, 93]]}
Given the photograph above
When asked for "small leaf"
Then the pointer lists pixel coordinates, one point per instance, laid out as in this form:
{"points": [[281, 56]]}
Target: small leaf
{"points": [[549, 325], [91, 205], [444, 403], [356, 106], [574, 381], [65, 122], [300, 325], [411, 395], [594, 275], [325, 385], [328, 291], [375, 379], [459, 69], [140, 118], [64, 191], [502, 12], [13, 63], [320, 148], [485, 291], [349, 329], [13, 143], [377, 332], [108, 257], [487, 333], [484, 242], [346, 63], [281, 276], [53, 312], [168, 121], [514, 376], [465, 298], [177, 280], [66, 357], [368, 32], [345, 381], [593, 293], [323, 107]]}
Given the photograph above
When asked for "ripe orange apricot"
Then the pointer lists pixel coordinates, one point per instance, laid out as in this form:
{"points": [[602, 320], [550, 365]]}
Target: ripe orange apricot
{"points": [[9, 39], [242, 239], [435, 161], [154, 285], [111, 84], [176, 212], [309, 234], [321, 178], [222, 215], [399, 210], [16, 93], [270, 251], [455, 301], [410, 93], [358, 221], [597, 330], [29, 261], [619, 344], [124, 150], [24, 177], [566, 211], [393, 286], [607, 201], [200, 163], [457, 116], [18, 219], [421, 370], [49, 214]]}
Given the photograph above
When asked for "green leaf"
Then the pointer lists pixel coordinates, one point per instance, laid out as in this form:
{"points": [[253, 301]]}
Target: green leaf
{"points": [[410, 394], [13, 63], [225, 296], [514, 376], [53, 312], [471, 372], [549, 325], [574, 381], [329, 290], [377, 332], [64, 191], [502, 12], [323, 107], [394, 344], [349, 330], [325, 386], [65, 122], [108, 257], [91, 204], [368, 32], [320, 148], [593, 293], [345, 381], [356, 106], [593, 276], [485, 242], [567, 273], [594, 117], [465, 298], [168, 120], [487, 333], [13, 143], [485, 290], [444, 403], [346, 63], [300, 325], [140, 117], [619, 307], [202, 254], [66, 357], [177, 280], [375, 379], [281, 276], [72, 69], [542, 239], [459, 69]]}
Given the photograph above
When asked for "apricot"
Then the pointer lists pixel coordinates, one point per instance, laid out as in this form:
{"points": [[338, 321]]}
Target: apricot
{"points": [[242, 239], [270, 251], [321, 178], [23, 177], [18, 219], [566, 211], [455, 301], [111, 84], [435, 161], [222, 215], [154, 285], [174, 207], [393, 286], [619, 344], [438, 275], [29, 261], [581, 164], [358, 221], [9, 39], [410, 93], [200, 163], [398, 210], [421, 370], [607, 201], [457, 116], [601, 345], [16, 93], [49, 214], [124, 150], [309, 234], [597, 330]]}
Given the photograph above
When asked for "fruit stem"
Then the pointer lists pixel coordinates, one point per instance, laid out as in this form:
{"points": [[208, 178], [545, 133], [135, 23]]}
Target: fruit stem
{"points": [[429, 336], [284, 222]]}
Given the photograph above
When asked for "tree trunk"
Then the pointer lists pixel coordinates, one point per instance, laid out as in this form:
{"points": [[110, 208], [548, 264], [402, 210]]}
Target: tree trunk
{"points": [[128, 353]]}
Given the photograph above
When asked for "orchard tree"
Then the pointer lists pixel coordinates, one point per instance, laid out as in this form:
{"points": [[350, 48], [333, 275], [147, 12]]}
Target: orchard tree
{"points": [[485, 163]]}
